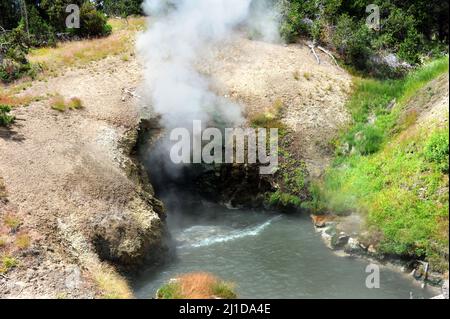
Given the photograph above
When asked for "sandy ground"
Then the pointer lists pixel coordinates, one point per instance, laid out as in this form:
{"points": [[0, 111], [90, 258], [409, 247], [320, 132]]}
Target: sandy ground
{"points": [[64, 171]]}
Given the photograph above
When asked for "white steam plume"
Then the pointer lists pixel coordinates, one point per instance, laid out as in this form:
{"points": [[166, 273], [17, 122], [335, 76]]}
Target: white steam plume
{"points": [[180, 32]]}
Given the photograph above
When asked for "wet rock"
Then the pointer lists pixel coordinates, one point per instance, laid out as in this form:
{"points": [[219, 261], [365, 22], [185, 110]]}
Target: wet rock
{"points": [[340, 240], [354, 247]]}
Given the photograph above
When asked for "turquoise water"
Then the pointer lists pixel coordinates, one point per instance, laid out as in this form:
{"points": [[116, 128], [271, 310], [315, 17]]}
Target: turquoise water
{"points": [[267, 255]]}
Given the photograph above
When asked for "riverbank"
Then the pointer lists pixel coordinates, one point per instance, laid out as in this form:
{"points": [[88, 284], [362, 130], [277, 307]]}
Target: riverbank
{"points": [[386, 195]]}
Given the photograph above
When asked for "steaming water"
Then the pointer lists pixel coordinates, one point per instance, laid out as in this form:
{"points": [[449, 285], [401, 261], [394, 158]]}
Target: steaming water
{"points": [[267, 255]]}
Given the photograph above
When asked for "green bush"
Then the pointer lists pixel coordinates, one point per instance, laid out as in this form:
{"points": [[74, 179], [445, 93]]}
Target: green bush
{"points": [[41, 34], [409, 29], [436, 150], [14, 52], [92, 22], [5, 118]]}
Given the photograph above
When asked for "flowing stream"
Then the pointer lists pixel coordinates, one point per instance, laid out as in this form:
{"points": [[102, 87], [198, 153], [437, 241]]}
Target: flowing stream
{"points": [[267, 255]]}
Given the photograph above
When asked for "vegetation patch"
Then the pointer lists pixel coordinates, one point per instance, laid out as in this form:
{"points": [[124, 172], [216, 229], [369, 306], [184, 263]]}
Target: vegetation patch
{"points": [[393, 173], [5, 118], [410, 30], [7, 263], [110, 283], [60, 104], [197, 286], [291, 176]]}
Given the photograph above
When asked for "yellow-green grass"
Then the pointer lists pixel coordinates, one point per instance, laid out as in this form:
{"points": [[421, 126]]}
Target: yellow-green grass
{"points": [[7, 263], [79, 53], [110, 284], [59, 103]]}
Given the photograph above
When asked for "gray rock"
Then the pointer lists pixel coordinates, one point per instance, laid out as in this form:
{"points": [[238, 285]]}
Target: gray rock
{"points": [[353, 247], [339, 241]]}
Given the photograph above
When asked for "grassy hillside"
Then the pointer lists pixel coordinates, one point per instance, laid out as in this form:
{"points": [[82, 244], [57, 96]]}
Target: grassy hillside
{"points": [[391, 169]]}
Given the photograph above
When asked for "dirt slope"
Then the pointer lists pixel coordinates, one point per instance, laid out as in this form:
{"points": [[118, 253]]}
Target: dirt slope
{"points": [[68, 179], [258, 74]]}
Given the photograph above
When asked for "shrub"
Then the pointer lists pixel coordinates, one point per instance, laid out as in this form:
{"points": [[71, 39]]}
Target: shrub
{"points": [[58, 103], [5, 118], [7, 263], [196, 286], [92, 22], [436, 150], [352, 41], [14, 52], [41, 34], [75, 104]]}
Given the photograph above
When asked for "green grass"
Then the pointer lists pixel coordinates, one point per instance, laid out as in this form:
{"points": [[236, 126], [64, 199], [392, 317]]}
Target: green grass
{"points": [[170, 290], [224, 290], [393, 173], [383, 102], [402, 192]]}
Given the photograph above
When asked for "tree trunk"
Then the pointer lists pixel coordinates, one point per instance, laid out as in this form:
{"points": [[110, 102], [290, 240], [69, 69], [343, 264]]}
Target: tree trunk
{"points": [[24, 13]]}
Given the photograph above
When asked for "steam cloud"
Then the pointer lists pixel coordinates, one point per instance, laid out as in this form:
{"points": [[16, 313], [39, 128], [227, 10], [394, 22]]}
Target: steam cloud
{"points": [[180, 34]]}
